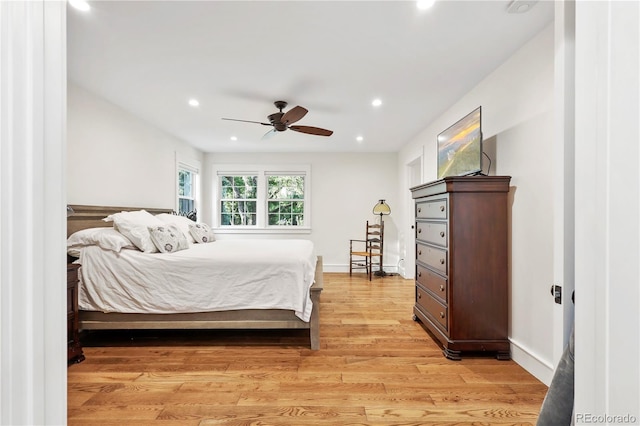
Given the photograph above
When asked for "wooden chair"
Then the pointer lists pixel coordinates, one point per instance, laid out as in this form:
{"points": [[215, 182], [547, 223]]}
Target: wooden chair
{"points": [[367, 253]]}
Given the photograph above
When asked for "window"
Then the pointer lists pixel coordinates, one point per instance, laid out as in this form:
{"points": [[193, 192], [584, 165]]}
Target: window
{"points": [[259, 198], [187, 182], [285, 204], [239, 199]]}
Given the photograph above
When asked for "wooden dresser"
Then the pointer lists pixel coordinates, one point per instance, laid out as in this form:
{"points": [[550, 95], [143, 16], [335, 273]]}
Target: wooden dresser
{"points": [[74, 349], [461, 239]]}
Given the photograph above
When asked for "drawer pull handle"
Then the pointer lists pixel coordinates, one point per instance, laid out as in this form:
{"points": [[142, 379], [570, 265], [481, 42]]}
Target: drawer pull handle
{"points": [[419, 230], [420, 252], [441, 208], [441, 314], [441, 287], [419, 274], [442, 261], [419, 209], [442, 234], [419, 296]]}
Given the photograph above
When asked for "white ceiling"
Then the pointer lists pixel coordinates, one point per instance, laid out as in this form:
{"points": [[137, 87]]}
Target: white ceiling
{"points": [[332, 57]]}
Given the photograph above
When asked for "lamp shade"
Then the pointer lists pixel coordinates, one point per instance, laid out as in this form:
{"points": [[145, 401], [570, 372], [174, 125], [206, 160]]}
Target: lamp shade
{"points": [[381, 208]]}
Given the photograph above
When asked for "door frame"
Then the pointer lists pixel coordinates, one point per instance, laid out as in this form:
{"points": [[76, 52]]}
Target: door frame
{"points": [[564, 175]]}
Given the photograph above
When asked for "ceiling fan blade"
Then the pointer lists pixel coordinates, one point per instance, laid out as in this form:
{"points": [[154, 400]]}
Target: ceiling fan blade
{"points": [[268, 135], [247, 121], [312, 130], [293, 115]]}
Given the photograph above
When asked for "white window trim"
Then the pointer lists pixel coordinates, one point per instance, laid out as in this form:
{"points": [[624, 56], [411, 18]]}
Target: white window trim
{"points": [[261, 170]]}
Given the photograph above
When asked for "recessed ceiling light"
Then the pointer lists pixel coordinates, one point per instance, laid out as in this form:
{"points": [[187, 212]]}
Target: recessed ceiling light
{"points": [[424, 4], [234, 138], [359, 138], [376, 102], [194, 102], [80, 5]]}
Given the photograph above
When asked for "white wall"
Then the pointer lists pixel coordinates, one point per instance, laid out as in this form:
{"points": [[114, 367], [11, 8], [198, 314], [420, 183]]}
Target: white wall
{"points": [[116, 159], [345, 187], [517, 121]]}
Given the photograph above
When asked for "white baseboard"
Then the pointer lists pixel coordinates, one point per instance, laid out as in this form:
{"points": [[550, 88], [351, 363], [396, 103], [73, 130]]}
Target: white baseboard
{"points": [[530, 361]]}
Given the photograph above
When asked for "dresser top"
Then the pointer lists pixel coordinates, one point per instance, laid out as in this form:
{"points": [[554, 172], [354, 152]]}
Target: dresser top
{"points": [[462, 184]]}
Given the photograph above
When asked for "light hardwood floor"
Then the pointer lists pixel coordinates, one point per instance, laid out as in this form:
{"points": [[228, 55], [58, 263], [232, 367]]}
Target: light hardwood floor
{"points": [[375, 366]]}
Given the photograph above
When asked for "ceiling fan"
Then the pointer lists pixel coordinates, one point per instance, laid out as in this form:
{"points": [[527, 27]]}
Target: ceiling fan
{"points": [[282, 121]]}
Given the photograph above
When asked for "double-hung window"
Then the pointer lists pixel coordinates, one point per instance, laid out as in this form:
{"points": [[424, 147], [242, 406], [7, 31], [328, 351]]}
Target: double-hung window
{"points": [[285, 199], [262, 198], [238, 201], [187, 189]]}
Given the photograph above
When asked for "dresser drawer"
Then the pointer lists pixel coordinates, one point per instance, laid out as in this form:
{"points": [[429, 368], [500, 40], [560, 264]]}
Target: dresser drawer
{"points": [[432, 232], [432, 209], [430, 306], [432, 282], [433, 257]]}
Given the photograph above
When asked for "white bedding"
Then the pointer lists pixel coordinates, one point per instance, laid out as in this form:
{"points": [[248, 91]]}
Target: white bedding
{"points": [[219, 276]]}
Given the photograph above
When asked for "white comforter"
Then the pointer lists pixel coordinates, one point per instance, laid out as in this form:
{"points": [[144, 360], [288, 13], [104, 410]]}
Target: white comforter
{"points": [[219, 276]]}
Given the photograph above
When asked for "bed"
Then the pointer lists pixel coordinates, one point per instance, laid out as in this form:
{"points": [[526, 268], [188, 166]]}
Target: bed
{"points": [[101, 318]]}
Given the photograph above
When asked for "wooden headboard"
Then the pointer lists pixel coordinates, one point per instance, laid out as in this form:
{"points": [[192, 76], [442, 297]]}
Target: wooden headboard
{"points": [[84, 217]]}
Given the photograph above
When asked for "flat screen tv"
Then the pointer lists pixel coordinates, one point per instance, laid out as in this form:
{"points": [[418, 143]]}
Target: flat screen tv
{"points": [[460, 147]]}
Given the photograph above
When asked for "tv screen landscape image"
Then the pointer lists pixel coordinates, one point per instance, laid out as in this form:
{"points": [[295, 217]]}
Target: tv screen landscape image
{"points": [[460, 147]]}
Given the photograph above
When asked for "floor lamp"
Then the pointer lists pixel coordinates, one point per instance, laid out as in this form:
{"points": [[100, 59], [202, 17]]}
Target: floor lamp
{"points": [[381, 208]]}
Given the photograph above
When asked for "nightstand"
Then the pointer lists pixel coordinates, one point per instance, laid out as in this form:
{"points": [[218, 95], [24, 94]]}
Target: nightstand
{"points": [[74, 349]]}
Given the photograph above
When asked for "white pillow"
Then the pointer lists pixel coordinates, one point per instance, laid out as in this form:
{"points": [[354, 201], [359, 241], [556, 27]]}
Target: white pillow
{"points": [[202, 233], [133, 225], [181, 222], [106, 238], [168, 238]]}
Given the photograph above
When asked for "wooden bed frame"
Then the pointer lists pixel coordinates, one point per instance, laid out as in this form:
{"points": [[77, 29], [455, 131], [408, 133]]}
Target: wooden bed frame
{"points": [[91, 217]]}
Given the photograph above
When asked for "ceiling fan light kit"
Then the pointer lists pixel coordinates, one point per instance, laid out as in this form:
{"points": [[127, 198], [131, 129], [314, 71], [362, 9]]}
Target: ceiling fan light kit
{"points": [[282, 121]]}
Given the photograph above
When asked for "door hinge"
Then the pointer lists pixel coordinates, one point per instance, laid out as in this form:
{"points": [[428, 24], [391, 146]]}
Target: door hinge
{"points": [[556, 292]]}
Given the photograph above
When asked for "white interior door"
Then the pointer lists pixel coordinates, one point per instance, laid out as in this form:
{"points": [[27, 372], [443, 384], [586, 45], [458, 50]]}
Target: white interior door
{"points": [[414, 177]]}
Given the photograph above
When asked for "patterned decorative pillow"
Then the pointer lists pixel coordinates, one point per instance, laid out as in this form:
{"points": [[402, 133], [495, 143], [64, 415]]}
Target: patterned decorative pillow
{"points": [[168, 238], [202, 233], [180, 221]]}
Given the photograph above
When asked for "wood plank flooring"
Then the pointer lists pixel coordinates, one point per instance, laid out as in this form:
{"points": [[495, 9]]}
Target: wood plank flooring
{"points": [[376, 366]]}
